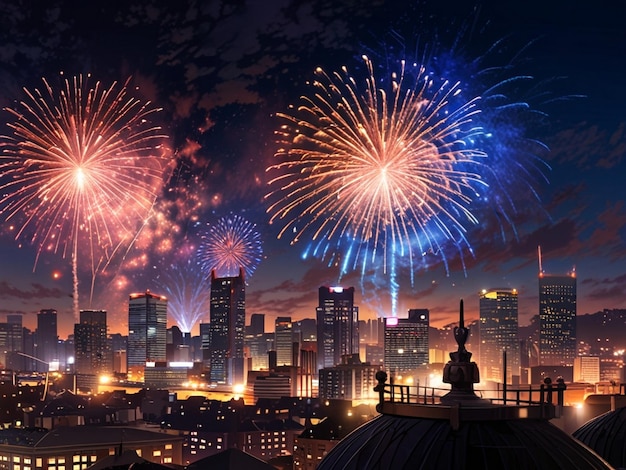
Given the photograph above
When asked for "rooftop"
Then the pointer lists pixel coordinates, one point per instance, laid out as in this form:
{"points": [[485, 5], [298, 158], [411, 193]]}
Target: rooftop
{"points": [[459, 429]]}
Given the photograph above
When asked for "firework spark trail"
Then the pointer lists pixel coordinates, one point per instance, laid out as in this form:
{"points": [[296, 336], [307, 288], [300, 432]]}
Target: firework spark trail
{"points": [[230, 244], [188, 293], [387, 169], [81, 171]]}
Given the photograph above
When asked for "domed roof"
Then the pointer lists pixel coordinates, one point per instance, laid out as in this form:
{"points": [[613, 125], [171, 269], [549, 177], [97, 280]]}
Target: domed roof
{"points": [[606, 435], [462, 431], [397, 442]]}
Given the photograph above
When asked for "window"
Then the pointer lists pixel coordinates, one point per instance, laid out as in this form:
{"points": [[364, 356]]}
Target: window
{"points": [[168, 446], [156, 453], [167, 459]]}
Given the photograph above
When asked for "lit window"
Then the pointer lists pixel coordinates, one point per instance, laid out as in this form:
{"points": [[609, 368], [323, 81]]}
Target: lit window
{"points": [[168, 446], [156, 453], [76, 458], [16, 459]]}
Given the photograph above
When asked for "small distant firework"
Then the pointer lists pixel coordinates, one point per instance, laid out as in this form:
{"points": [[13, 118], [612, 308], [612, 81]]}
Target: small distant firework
{"points": [[188, 293], [390, 170], [81, 170], [230, 244]]}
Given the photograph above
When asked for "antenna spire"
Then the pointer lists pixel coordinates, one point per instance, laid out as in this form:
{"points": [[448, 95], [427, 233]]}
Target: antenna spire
{"points": [[539, 256]]}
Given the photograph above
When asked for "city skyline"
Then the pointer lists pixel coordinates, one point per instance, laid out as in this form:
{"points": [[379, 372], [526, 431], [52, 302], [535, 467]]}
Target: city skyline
{"points": [[221, 86]]}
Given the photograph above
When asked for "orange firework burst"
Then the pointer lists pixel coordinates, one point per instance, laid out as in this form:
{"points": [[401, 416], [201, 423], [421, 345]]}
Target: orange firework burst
{"points": [[388, 168], [82, 168]]}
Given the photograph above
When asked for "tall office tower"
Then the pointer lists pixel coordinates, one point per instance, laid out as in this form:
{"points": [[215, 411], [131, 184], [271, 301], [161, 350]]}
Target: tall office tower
{"points": [[283, 341], [498, 333], [228, 320], [257, 324], [46, 340], [557, 319], [205, 344], [147, 330], [406, 341], [91, 348], [337, 325], [12, 343], [15, 338]]}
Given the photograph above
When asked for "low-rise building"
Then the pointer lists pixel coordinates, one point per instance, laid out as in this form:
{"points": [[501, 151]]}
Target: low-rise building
{"points": [[78, 447]]}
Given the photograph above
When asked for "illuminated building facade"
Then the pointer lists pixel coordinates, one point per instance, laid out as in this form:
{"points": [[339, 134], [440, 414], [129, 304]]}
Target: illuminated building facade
{"points": [[80, 447], [351, 380], [406, 341], [557, 319], [147, 330], [228, 317], [91, 348], [337, 325], [498, 331], [283, 341], [12, 343]]}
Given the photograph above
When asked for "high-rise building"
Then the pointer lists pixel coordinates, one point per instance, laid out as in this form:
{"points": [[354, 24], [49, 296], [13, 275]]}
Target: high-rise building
{"points": [[557, 319], [498, 326], [337, 325], [257, 324], [91, 348], [406, 341], [147, 330], [12, 343], [228, 320], [46, 340], [283, 341]]}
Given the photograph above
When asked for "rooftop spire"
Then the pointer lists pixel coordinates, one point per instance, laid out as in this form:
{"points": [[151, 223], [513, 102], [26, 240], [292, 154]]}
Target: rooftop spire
{"points": [[460, 372]]}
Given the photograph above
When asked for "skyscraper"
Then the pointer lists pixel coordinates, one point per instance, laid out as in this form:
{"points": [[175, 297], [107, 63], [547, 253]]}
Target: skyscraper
{"points": [[498, 333], [46, 340], [228, 320], [337, 325], [283, 341], [557, 319], [406, 341], [91, 348], [147, 330], [257, 324]]}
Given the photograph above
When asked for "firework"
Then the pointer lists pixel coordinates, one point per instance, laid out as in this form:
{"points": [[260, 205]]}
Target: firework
{"points": [[80, 171], [388, 171], [232, 243], [188, 293]]}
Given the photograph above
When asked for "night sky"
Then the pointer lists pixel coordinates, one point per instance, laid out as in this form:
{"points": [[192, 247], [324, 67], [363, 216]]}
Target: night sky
{"points": [[221, 71]]}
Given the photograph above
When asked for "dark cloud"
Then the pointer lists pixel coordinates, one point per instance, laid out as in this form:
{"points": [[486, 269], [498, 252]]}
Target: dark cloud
{"points": [[37, 291]]}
